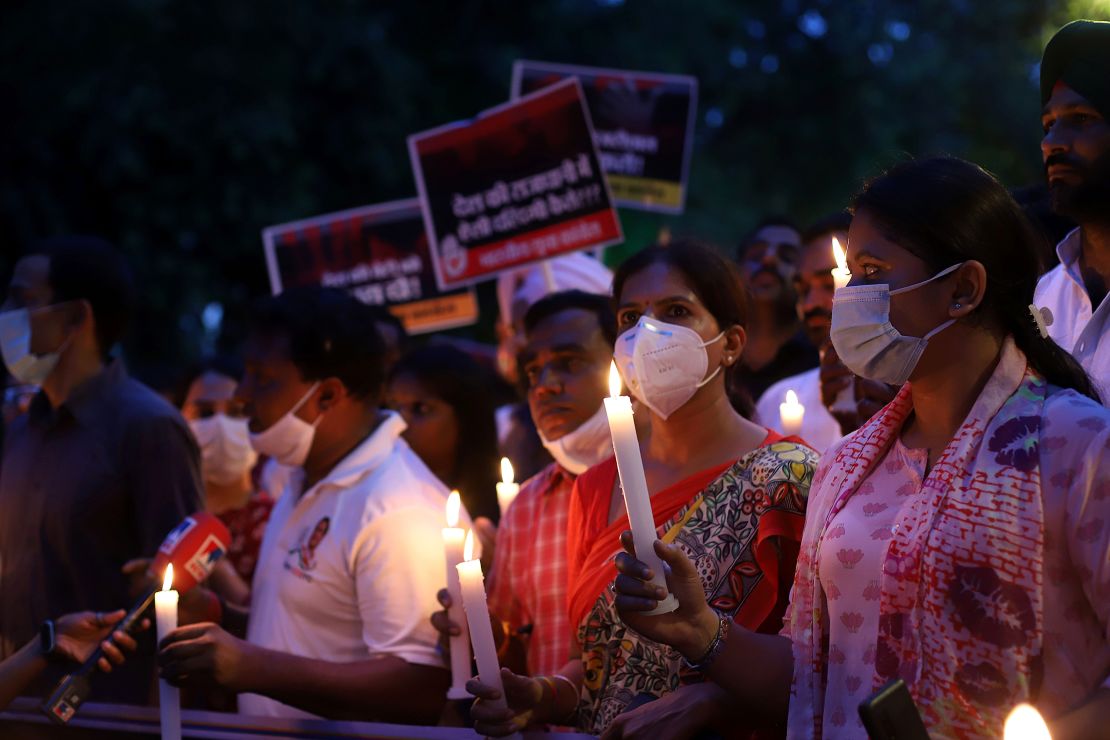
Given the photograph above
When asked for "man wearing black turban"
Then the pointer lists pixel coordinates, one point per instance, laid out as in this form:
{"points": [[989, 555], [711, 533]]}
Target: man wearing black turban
{"points": [[1075, 95]]}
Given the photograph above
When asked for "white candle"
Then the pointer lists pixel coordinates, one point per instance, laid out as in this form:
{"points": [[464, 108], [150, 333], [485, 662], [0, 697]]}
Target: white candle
{"points": [[637, 500], [791, 414], [841, 274], [1025, 723], [169, 699], [506, 489], [845, 401], [460, 643], [477, 617]]}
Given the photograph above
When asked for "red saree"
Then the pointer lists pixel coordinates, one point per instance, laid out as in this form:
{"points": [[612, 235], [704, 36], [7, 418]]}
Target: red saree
{"points": [[741, 524]]}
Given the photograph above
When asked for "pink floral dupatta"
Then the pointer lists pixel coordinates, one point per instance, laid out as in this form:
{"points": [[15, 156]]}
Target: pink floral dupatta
{"points": [[961, 603]]}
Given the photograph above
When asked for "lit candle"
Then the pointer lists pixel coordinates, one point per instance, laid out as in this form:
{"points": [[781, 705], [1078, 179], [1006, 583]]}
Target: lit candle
{"points": [[845, 401], [841, 274], [477, 617], [506, 489], [637, 500], [791, 414], [169, 699], [460, 644], [1025, 723]]}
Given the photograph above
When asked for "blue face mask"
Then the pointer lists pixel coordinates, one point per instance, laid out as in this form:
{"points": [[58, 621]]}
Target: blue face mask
{"points": [[15, 345], [865, 340]]}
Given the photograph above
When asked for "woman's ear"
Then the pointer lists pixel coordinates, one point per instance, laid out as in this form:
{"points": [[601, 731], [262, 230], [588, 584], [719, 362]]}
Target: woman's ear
{"points": [[81, 314], [735, 338], [332, 391], [968, 289]]}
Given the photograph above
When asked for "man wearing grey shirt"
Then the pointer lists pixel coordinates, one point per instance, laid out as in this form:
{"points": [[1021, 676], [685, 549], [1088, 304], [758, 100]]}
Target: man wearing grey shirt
{"points": [[99, 469]]}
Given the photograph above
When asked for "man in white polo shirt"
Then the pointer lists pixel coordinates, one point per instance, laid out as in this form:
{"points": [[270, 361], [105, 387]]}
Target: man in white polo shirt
{"points": [[353, 552], [1075, 94]]}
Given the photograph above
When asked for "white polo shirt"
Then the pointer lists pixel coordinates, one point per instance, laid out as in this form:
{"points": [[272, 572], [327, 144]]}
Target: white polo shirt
{"points": [[819, 428], [349, 570], [1076, 326]]}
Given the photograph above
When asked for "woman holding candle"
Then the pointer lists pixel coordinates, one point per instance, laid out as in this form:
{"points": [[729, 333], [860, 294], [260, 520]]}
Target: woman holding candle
{"points": [[729, 492], [957, 540]]}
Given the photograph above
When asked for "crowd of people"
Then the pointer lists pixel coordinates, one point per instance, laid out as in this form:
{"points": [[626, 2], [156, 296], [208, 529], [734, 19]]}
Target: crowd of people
{"points": [[939, 517]]}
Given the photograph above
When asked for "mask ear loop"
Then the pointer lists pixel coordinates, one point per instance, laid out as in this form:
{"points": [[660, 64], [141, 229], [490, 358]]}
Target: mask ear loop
{"points": [[938, 276], [304, 400], [715, 372]]}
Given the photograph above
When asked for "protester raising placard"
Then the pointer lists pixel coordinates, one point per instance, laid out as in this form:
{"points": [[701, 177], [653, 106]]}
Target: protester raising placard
{"points": [[643, 126], [518, 184], [379, 253]]}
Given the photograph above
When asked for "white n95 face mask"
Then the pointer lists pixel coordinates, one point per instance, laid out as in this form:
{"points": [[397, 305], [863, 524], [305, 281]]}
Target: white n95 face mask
{"points": [[865, 340], [225, 448], [585, 447], [15, 345], [289, 439], [663, 364]]}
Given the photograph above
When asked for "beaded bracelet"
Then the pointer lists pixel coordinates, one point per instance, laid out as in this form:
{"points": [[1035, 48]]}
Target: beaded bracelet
{"points": [[716, 647]]}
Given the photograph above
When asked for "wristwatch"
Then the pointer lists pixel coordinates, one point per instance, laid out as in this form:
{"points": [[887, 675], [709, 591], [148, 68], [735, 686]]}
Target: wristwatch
{"points": [[48, 640]]}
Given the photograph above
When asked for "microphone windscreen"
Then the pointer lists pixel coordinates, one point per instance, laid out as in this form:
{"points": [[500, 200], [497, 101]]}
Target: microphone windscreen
{"points": [[194, 547]]}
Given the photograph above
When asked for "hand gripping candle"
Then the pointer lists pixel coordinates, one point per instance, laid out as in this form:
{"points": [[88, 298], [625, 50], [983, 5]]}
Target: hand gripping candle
{"points": [[637, 500], [477, 618], [460, 643]]}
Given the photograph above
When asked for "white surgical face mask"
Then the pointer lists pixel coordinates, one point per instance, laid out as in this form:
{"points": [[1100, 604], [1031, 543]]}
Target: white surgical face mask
{"points": [[225, 448], [15, 345], [289, 439], [663, 364], [585, 447], [865, 340]]}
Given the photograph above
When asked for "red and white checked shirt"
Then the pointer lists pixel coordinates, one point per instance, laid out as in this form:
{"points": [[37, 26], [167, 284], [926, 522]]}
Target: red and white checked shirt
{"points": [[529, 578]]}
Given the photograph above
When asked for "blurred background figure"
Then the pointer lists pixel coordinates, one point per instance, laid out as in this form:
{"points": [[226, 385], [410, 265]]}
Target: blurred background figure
{"points": [[814, 287], [218, 421], [100, 468], [777, 344], [393, 334], [517, 291], [447, 400], [1075, 93]]}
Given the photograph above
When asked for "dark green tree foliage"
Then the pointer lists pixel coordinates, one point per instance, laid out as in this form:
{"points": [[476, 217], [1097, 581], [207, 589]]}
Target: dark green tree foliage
{"points": [[180, 129]]}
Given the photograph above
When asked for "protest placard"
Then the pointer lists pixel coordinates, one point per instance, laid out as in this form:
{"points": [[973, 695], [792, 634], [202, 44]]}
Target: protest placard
{"points": [[379, 253], [518, 184], [643, 126]]}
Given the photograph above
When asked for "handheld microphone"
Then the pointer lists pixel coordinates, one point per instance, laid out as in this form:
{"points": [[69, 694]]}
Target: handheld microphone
{"points": [[194, 547]]}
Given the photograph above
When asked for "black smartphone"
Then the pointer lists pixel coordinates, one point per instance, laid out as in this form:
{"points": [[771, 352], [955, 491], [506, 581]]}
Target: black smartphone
{"points": [[890, 714]]}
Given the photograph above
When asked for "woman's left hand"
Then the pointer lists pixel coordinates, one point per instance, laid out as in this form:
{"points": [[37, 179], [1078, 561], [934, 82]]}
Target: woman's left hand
{"points": [[690, 628]]}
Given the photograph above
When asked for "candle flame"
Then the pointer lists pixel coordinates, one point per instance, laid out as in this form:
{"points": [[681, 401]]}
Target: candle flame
{"points": [[791, 398], [453, 504], [1025, 723], [506, 470], [614, 380], [468, 546], [839, 255], [167, 582]]}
